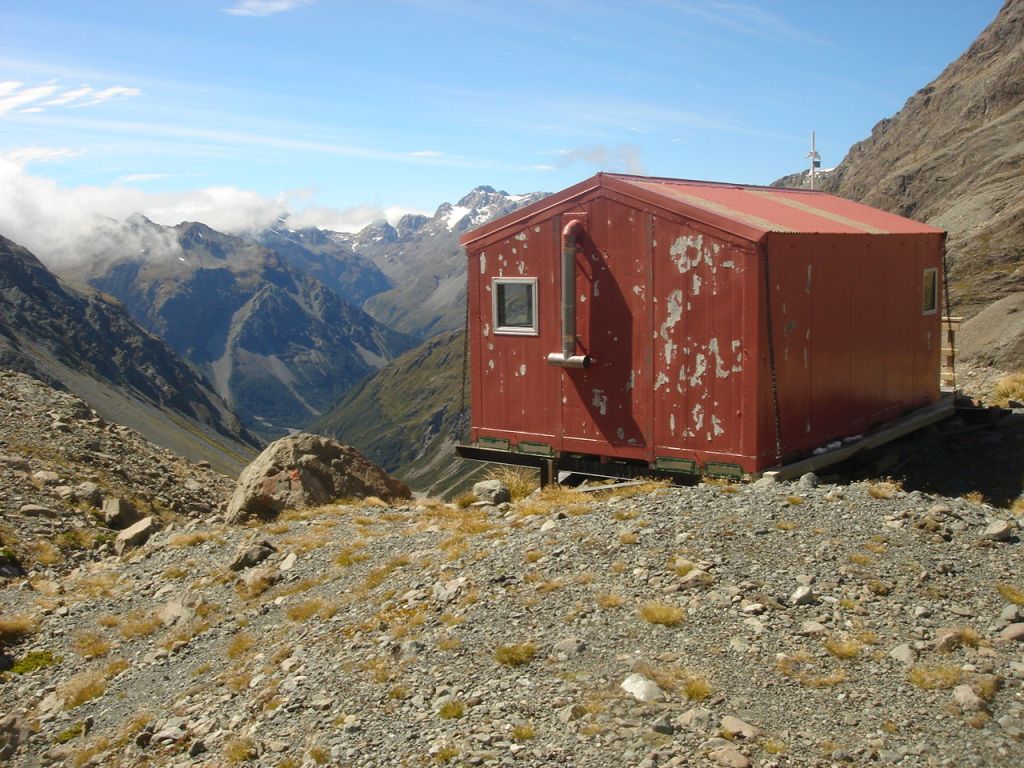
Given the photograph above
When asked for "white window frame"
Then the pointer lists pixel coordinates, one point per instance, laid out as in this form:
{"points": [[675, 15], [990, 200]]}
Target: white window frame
{"points": [[515, 330], [930, 274]]}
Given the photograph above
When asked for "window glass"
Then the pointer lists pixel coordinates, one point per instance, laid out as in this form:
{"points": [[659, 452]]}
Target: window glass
{"points": [[930, 291], [515, 305]]}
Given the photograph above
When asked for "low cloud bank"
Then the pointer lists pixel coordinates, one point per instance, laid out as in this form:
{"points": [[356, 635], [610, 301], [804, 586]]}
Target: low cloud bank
{"points": [[54, 222]]}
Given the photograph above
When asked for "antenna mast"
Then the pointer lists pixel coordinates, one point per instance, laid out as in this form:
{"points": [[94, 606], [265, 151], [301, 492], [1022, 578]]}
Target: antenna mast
{"points": [[815, 161]]}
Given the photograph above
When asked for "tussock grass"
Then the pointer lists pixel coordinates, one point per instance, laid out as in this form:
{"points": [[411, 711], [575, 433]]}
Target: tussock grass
{"points": [[665, 614], [139, 624], [449, 642], [884, 490], [17, 627], [932, 677], [523, 732], [239, 750], [314, 606], [1011, 593], [629, 537], [83, 687], [843, 647], [608, 600], [521, 481], [800, 667], [351, 555], [90, 644], [452, 710], [239, 644], [1009, 387], [464, 499], [515, 655]]}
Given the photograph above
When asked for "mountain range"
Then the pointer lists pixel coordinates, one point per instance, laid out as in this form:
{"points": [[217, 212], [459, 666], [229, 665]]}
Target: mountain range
{"points": [[276, 343], [84, 342]]}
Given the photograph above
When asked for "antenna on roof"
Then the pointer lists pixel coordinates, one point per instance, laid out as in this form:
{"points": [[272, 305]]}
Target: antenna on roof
{"points": [[815, 160]]}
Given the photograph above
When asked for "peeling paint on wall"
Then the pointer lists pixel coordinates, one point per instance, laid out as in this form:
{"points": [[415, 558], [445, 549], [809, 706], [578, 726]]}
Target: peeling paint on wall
{"points": [[698, 417], [631, 381], [700, 367], [661, 381], [716, 427], [638, 291], [674, 310], [672, 423], [483, 263], [521, 237], [600, 401], [490, 364], [522, 369], [696, 285], [679, 252]]}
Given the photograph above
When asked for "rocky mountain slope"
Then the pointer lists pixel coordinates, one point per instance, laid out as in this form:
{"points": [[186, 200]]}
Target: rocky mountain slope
{"points": [[793, 624], [324, 255], [954, 157], [277, 344], [408, 417], [89, 345], [422, 257]]}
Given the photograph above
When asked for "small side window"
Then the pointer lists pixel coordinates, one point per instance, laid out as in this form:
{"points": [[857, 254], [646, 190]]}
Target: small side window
{"points": [[930, 291], [515, 305]]}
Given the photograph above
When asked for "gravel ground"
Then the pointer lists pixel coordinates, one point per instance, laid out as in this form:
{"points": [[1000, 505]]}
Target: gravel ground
{"points": [[770, 624]]}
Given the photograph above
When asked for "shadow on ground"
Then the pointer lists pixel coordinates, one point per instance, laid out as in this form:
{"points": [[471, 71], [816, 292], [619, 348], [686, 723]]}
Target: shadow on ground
{"points": [[975, 453]]}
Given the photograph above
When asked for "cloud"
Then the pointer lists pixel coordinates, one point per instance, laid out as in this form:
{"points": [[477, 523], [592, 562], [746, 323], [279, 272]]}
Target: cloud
{"points": [[623, 158], [13, 96], [264, 7], [132, 177], [65, 225], [27, 155], [20, 98]]}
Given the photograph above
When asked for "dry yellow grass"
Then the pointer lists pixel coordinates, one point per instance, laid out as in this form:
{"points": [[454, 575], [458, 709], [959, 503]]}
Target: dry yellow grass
{"points": [[665, 614], [239, 644], [533, 555], [521, 481], [16, 627], [883, 490], [523, 732], [932, 677], [139, 624], [1011, 593], [800, 666], [239, 750], [515, 655], [448, 643], [608, 600], [628, 538], [90, 644], [80, 688], [843, 647], [452, 709], [314, 606], [1009, 387]]}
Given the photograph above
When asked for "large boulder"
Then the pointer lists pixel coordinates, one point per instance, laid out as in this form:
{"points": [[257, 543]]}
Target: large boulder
{"points": [[304, 470]]}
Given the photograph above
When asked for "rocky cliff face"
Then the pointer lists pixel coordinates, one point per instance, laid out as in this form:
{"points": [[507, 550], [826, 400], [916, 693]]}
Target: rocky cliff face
{"points": [[277, 344], [954, 157], [89, 344]]}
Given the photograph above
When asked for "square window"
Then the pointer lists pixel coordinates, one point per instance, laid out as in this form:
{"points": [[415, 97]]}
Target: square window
{"points": [[515, 305], [930, 291]]}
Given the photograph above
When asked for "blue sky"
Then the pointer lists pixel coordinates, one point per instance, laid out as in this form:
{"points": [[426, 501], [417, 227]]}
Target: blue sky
{"points": [[230, 111]]}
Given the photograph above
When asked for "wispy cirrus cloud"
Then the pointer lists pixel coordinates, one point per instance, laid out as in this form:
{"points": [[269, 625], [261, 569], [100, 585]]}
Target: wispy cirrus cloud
{"points": [[28, 155], [624, 157], [15, 97], [265, 7]]}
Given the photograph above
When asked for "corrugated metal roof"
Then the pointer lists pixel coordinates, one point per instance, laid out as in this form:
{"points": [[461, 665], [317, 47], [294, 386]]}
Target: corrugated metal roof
{"points": [[774, 209], [748, 211]]}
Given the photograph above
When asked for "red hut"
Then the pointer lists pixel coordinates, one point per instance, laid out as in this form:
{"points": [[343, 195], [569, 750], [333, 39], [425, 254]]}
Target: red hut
{"points": [[631, 323]]}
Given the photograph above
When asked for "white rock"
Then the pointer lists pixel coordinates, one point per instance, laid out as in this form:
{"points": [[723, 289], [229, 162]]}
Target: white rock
{"points": [[642, 688], [803, 595], [903, 654], [967, 699], [733, 726]]}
